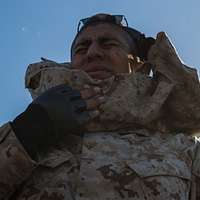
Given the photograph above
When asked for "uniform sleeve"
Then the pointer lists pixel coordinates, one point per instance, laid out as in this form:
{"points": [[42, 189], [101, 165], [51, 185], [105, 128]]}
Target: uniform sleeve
{"points": [[195, 194], [183, 104], [15, 164]]}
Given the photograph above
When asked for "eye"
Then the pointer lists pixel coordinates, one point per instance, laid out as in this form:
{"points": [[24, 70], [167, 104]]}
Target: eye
{"points": [[81, 50], [110, 44]]}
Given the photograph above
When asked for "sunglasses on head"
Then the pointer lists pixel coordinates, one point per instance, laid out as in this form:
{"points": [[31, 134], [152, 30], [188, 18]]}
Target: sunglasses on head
{"points": [[143, 44], [114, 19]]}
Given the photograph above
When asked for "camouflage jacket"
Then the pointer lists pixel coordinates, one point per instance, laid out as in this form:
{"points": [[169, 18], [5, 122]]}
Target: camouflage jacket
{"points": [[112, 165], [139, 148]]}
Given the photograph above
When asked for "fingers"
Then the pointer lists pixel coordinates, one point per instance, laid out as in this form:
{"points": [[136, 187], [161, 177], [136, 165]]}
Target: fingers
{"points": [[92, 96], [89, 91], [87, 110], [94, 103], [84, 117]]}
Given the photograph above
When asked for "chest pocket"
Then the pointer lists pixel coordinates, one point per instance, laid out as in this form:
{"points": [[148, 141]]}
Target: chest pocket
{"points": [[53, 179], [135, 166]]}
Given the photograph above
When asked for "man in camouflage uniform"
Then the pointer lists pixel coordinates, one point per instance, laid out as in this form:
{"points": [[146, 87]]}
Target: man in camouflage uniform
{"points": [[101, 128]]}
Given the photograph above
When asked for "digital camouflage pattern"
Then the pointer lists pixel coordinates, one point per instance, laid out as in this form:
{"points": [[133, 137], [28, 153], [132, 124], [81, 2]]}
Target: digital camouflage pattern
{"points": [[167, 102], [112, 165], [139, 148]]}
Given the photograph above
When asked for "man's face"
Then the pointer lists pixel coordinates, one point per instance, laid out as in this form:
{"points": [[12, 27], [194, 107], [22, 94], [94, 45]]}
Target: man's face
{"points": [[102, 50]]}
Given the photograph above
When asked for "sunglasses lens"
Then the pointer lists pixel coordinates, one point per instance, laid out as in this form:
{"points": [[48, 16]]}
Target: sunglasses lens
{"points": [[124, 21], [116, 19], [81, 23], [85, 20]]}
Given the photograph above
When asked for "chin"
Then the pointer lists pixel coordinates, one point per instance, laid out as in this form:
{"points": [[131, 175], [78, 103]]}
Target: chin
{"points": [[100, 75]]}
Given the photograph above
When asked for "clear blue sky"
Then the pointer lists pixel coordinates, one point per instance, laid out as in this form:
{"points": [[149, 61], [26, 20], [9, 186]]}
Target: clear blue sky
{"points": [[34, 28]]}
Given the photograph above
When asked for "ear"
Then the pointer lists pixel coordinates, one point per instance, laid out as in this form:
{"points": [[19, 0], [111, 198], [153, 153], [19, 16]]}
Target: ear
{"points": [[134, 63], [137, 65]]}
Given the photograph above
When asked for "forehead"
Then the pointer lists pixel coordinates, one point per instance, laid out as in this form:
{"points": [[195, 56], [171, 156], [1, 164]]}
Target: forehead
{"points": [[110, 31]]}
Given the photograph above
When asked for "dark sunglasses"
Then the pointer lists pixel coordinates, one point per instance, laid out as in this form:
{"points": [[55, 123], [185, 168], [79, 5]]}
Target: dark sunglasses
{"points": [[115, 19]]}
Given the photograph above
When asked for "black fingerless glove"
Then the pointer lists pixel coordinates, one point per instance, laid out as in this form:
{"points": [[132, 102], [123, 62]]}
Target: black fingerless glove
{"points": [[56, 113]]}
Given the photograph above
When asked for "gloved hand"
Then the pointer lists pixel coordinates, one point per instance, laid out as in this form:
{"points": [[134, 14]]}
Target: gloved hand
{"points": [[65, 108], [59, 111]]}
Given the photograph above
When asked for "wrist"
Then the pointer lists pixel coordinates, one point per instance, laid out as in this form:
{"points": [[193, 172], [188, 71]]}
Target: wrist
{"points": [[33, 129]]}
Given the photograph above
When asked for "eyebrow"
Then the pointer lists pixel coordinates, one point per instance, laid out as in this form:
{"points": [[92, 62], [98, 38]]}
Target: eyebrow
{"points": [[105, 39], [82, 42], [87, 41]]}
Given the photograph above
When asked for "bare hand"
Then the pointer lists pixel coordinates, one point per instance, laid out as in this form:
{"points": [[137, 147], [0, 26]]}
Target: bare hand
{"points": [[92, 96]]}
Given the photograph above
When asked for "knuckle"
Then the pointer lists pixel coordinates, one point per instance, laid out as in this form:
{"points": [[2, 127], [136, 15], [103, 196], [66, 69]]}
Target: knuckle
{"points": [[91, 104], [86, 93], [95, 102]]}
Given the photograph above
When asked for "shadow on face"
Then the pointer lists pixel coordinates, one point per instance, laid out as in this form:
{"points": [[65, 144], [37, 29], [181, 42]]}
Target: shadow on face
{"points": [[102, 50]]}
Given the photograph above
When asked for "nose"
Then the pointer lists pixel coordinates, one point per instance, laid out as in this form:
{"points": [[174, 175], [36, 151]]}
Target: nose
{"points": [[94, 51]]}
